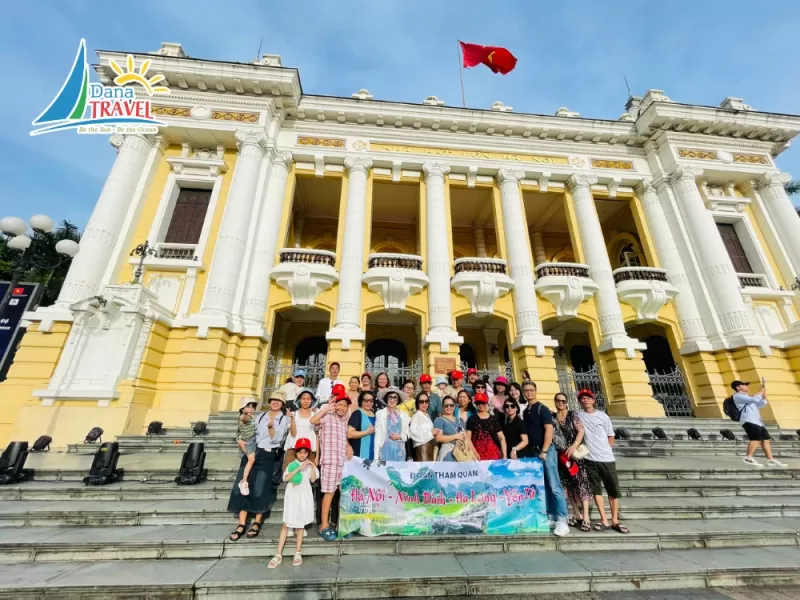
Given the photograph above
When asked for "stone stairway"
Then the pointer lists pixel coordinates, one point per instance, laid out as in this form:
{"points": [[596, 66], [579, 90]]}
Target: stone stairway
{"points": [[694, 523]]}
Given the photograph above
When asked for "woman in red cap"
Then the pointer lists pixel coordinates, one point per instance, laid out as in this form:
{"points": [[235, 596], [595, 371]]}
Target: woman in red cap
{"points": [[298, 503], [484, 431]]}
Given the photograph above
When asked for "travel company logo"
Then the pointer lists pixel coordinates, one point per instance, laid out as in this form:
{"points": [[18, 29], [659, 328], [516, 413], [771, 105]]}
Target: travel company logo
{"points": [[98, 108]]}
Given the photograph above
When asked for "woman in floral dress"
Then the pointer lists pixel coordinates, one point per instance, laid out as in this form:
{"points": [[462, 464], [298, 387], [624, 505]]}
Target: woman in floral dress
{"points": [[567, 436]]}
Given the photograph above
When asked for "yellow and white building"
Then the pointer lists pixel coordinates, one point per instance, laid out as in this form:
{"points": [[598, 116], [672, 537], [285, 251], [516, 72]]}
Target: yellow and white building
{"points": [[295, 229]]}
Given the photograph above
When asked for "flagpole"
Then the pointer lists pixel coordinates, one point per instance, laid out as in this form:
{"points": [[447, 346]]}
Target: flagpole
{"points": [[461, 73]]}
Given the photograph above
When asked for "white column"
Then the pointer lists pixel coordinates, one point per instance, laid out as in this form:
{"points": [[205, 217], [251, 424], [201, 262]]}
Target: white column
{"points": [[438, 260], [694, 333], [539, 255], [480, 241], [520, 265], [712, 257], [105, 225], [348, 305], [783, 213], [230, 245], [257, 288], [612, 327]]}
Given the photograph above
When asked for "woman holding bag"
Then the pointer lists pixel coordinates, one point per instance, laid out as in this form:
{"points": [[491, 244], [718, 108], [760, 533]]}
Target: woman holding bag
{"points": [[451, 428], [567, 438]]}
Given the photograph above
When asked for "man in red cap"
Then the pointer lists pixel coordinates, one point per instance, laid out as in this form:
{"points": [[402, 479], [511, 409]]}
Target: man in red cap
{"points": [[456, 383], [435, 405], [334, 450]]}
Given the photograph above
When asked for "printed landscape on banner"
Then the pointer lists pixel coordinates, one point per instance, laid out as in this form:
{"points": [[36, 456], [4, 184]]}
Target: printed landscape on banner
{"points": [[498, 497]]}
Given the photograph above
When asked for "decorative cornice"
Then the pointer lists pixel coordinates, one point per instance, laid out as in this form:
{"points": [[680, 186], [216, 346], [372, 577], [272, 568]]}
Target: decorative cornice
{"points": [[601, 163], [751, 159], [693, 154], [324, 142], [581, 180], [359, 164]]}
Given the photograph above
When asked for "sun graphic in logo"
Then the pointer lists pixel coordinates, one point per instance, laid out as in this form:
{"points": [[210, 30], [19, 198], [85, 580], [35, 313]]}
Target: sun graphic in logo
{"points": [[132, 76]]}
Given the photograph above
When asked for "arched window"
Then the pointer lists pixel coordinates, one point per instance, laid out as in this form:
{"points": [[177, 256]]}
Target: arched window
{"points": [[467, 356], [629, 257], [581, 358], [311, 351], [386, 354], [658, 355]]}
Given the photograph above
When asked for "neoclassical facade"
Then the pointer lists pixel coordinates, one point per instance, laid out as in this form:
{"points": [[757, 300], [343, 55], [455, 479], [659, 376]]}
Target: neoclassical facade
{"points": [[653, 258]]}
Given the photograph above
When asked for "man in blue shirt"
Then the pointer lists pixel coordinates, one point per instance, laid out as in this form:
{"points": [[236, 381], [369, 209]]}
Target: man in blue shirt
{"points": [[750, 418]]}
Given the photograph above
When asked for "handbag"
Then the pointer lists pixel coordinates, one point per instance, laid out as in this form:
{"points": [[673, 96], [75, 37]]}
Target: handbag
{"points": [[464, 452], [581, 452]]}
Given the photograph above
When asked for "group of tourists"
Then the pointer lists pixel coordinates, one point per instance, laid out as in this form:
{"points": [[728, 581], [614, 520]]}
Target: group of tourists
{"points": [[308, 435]]}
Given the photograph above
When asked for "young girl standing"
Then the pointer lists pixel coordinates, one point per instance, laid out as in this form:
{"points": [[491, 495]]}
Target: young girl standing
{"points": [[298, 504]]}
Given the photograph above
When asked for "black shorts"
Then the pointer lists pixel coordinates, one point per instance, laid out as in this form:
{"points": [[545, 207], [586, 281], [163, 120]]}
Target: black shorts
{"points": [[756, 433], [603, 474]]}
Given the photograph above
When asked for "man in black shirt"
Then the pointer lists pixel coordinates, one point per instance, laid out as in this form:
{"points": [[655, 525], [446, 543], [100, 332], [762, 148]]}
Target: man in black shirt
{"points": [[539, 426]]}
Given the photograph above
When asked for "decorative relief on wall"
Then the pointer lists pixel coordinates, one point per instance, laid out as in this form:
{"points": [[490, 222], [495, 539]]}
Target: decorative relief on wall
{"points": [[171, 111], [751, 159], [697, 154], [326, 142], [612, 164], [241, 117], [531, 158]]}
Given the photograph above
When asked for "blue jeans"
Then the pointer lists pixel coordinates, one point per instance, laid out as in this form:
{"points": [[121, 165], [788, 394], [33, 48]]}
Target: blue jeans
{"points": [[553, 492]]}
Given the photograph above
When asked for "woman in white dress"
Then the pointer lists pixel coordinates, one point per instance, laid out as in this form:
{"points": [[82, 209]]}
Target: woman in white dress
{"points": [[301, 427], [422, 431], [298, 503], [391, 428]]}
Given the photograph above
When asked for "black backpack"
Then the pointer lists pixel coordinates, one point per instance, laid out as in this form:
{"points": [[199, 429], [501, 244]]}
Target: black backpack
{"points": [[731, 410]]}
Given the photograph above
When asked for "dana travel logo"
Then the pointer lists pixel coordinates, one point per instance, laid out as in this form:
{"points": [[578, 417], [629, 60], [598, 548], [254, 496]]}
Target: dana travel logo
{"points": [[97, 108]]}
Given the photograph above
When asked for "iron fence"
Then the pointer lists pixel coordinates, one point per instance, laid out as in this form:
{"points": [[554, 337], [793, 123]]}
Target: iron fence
{"points": [[277, 373], [396, 372], [669, 388]]}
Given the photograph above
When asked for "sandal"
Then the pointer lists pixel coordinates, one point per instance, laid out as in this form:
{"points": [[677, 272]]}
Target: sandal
{"points": [[585, 526], [238, 532], [620, 528], [573, 522], [255, 529], [276, 560], [298, 560], [601, 527]]}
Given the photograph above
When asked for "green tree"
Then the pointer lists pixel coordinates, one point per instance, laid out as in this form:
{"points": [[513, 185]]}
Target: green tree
{"points": [[45, 254], [793, 187]]}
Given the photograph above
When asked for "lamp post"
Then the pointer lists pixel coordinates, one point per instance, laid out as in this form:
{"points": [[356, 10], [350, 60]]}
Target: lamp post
{"points": [[24, 256]]}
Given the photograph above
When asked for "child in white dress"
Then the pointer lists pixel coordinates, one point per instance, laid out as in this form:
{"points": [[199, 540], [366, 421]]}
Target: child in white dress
{"points": [[298, 503]]}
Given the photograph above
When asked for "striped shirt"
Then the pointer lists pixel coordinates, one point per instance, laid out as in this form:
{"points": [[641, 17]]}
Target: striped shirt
{"points": [[333, 439], [246, 431]]}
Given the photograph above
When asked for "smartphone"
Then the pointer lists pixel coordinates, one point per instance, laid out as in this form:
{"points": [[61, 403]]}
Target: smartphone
{"points": [[763, 381]]}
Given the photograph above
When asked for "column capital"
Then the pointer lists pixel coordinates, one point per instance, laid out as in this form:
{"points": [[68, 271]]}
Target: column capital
{"points": [[772, 179], [283, 159], [249, 137], [118, 139], [514, 175], [644, 187], [435, 169], [684, 172], [581, 180], [358, 165]]}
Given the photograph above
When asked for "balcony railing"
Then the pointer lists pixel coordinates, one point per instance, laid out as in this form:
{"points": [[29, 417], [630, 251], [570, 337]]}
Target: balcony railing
{"points": [[176, 251], [751, 280], [639, 274], [479, 265], [298, 255], [395, 261], [562, 270]]}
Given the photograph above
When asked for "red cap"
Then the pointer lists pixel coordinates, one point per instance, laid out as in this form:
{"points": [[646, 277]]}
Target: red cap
{"points": [[472, 371], [502, 380], [481, 397], [457, 375], [302, 444], [571, 465], [583, 393], [425, 378], [339, 393]]}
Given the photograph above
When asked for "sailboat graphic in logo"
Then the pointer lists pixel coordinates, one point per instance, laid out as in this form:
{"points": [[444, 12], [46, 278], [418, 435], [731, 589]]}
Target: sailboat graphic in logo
{"points": [[111, 109]]}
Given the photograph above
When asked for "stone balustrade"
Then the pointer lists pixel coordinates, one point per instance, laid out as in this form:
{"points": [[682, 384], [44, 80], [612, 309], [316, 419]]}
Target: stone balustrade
{"points": [[395, 277], [480, 265], [395, 261], [751, 280], [565, 285], [562, 270], [639, 274], [646, 289], [176, 251], [298, 255]]}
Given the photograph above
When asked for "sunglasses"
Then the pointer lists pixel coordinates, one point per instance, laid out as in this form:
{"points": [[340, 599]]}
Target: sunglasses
{"points": [[481, 403], [480, 386], [560, 401], [365, 400], [507, 406], [424, 401], [449, 405]]}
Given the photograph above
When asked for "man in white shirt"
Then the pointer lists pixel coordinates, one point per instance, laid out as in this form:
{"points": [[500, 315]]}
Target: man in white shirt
{"points": [[598, 436], [326, 383], [750, 418]]}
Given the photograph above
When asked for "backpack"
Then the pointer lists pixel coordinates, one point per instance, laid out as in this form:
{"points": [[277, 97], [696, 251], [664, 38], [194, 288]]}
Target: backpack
{"points": [[731, 410]]}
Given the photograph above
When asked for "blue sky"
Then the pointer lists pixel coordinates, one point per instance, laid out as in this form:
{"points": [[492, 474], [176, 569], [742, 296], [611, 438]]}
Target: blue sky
{"points": [[570, 54]]}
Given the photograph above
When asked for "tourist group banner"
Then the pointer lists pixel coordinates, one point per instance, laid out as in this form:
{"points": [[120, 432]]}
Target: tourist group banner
{"points": [[498, 497]]}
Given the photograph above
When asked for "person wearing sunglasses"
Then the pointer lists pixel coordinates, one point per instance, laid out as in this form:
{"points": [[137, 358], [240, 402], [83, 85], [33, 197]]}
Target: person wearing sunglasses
{"points": [[485, 432], [422, 430], [391, 428], [451, 430], [361, 426], [567, 436], [514, 430]]}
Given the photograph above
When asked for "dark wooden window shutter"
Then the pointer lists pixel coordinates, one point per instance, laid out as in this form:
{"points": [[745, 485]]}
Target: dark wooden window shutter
{"points": [[734, 247], [188, 216]]}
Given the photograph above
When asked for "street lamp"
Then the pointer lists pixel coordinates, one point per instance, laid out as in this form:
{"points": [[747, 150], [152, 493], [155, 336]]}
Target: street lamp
{"points": [[23, 258]]}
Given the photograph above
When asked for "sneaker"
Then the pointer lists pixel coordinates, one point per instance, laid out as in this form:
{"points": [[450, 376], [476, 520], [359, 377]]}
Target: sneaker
{"points": [[551, 523], [244, 488], [776, 463], [752, 461], [561, 529]]}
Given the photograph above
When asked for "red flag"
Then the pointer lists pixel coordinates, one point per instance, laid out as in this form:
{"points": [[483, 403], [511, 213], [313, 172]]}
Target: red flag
{"points": [[497, 58]]}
